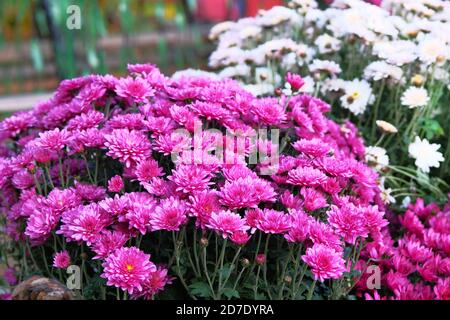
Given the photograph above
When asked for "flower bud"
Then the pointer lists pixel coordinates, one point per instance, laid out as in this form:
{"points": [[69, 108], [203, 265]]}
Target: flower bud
{"points": [[260, 259], [417, 80], [203, 242]]}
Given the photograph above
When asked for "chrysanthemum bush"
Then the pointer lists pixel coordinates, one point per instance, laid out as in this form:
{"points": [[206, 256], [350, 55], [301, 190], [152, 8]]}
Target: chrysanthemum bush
{"points": [[158, 187], [383, 66], [416, 266]]}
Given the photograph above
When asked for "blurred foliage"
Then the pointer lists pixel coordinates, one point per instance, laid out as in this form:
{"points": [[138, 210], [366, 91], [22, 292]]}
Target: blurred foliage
{"points": [[25, 25]]}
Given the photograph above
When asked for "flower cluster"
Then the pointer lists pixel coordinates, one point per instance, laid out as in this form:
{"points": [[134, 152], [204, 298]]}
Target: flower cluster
{"points": [[417, 265], [121, 168], [373, 61]]}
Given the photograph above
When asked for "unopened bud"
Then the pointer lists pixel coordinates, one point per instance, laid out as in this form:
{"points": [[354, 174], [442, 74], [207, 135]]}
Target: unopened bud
{"points": [[260, 258], [245, 262], [203, 242]]}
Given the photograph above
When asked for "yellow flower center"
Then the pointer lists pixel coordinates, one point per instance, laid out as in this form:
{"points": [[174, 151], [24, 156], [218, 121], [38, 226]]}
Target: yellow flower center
{"points": [[355, 95], [130, 267]]}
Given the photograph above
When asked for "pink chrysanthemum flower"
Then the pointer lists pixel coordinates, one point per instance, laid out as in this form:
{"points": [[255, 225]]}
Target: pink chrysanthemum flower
{"points": [[306, 176], [135, 89], [202, 205], [155, 283], [313, 199], [61, 260], [107, 242], [85, 121], [131, 121], [300, 225], [314, 148], [240, 238], [227, 223], [128, 269], [139, 215], [89, 192], [190, 178], [115, 184], [83, 223], [172, 143], [53, 140], [321, 233], [169, 215], [129, 147], [274, 222], [269, 111], [348, 221], [41, 223], [294, 80], [246, 193], [147, 170], [325, 262], [61, 200]]}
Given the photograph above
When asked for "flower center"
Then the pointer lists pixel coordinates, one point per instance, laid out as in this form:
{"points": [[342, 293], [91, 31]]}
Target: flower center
{"points": [[130, 267]]}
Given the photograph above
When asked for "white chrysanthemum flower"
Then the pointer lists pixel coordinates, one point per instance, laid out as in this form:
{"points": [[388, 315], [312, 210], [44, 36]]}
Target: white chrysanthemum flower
{"points": [[316, 17], [225, 57], [289, 61], [240, 70], [385, 193], [377, 157], [426, 154], [415, 97], [378, 70], [259, 89], [220, 28], [276, 46], [398, 52], [327, 66], [263, 75], [327, 44], [249, 32], [333, 85], [358, 94], [309, 85], [305, 54], [195, 73], [431, 50]]}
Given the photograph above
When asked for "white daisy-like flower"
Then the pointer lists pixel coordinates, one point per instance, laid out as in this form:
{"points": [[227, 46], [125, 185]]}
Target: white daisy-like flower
{"points": [[358, 94], [431, 50], [259, 89], [194, 73], [327, 66], [385, 193], [309, 85], [378, 70], [240, 70], [415, 97], [425, 153], [250, 31], [303, 6], [278, 14], [327, 44], [220, 28], [377, 157], [397, 52], [305, 54], [332, 85]]}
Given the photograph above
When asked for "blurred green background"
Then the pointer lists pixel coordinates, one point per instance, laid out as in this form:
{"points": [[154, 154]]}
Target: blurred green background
{"points": [[37, 49]]}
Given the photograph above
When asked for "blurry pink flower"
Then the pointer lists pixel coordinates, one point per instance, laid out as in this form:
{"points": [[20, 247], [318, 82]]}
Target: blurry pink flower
{"points": [[147, 170], [260, 258], [107, 242], [275, 222], [314, 148], [295, 81], [129, 147], [53, 140], [202, 205], [61, 260], [128, 269], [83, 223], [190, 178], [226, 223], [348, 221], [313, 199], [154, 284], [325, 262], [137, 90], [300, 225], [240, 238], [169, 215], [306, 176], [115, 184]]}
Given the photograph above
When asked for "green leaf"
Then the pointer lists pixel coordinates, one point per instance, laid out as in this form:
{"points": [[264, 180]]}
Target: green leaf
{"points": [[230, 293], [200, 289]]}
